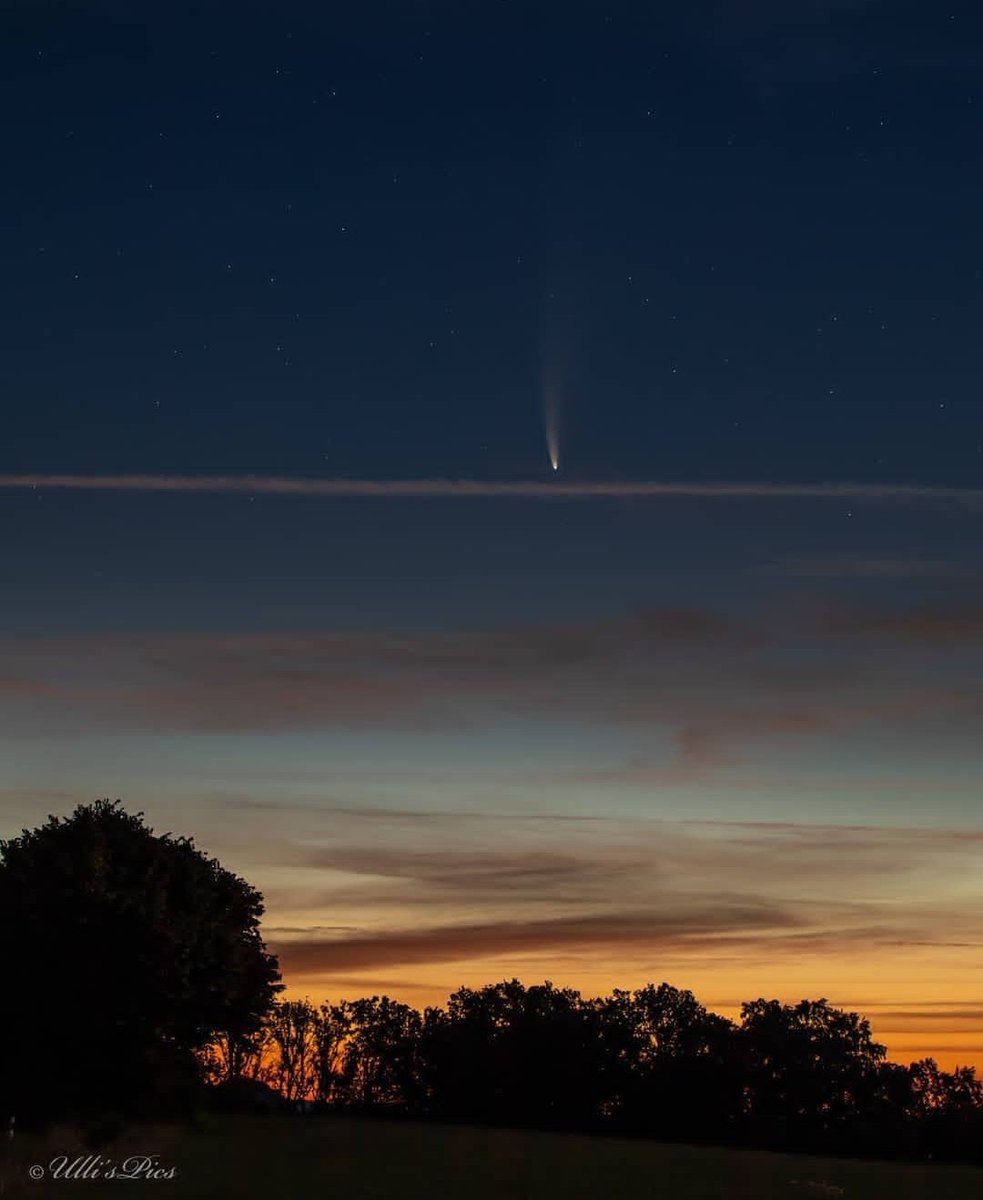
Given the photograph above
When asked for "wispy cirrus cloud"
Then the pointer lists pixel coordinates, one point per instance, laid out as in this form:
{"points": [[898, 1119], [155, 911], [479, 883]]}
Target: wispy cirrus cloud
{"points": [[642, 888], [527, 489], [512, 854], [711, 688], [448, 943]]}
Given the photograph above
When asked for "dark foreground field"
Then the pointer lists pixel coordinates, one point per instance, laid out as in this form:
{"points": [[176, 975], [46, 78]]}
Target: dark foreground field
{"points": [[246, 1157]]}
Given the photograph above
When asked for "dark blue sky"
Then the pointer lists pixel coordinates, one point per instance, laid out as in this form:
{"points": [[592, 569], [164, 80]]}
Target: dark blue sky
{"points": [[740, 241]]}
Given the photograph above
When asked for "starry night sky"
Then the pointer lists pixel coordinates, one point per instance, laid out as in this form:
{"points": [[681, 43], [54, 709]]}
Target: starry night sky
{"points": [[728, 741]]}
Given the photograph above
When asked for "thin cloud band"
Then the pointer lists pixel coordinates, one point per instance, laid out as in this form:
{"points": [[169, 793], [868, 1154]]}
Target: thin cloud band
{"points": [[529, 489]]}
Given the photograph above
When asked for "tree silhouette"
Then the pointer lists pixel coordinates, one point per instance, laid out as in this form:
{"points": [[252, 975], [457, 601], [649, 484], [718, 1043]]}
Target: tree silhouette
{"points": [[519, 1055], [376, 1042], [289, 1051], [127, 953], [808, 1064], [652, 1061], [136, 971], [678, 1062], [934, 1091], [947, 1109]]}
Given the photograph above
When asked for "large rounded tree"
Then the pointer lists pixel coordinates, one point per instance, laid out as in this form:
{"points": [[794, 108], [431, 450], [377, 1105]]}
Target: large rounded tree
{"points": [[126, 953]]}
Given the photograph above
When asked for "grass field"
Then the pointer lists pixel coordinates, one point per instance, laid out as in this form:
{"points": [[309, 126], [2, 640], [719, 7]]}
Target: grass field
{"points": [[294, 1158]]}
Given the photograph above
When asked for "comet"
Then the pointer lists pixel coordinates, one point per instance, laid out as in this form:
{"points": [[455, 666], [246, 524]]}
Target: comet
{"points": [[551, 421]]}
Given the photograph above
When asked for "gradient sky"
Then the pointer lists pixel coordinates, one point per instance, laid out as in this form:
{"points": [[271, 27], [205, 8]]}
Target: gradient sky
{"points": [[553, 729]]}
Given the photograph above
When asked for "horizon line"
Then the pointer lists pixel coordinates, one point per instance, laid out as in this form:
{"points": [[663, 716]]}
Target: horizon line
{"points": [[531, 489]]}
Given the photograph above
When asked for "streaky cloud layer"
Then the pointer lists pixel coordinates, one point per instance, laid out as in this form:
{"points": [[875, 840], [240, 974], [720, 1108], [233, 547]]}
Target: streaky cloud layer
{"points": [[523, 489]]}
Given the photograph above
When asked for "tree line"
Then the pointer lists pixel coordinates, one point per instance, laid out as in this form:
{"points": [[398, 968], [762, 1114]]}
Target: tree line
{"points": [[652, 1061], [137, 982]]}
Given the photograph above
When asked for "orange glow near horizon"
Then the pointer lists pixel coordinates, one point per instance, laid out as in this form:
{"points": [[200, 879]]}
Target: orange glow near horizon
{"points": [[752, 801], [875, 919], [912, 1022]]}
